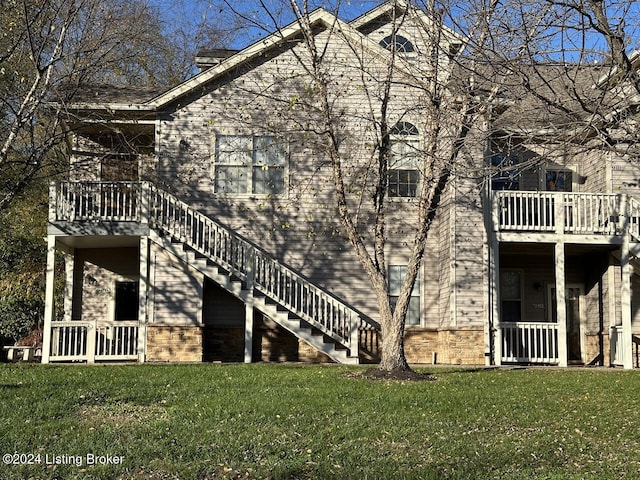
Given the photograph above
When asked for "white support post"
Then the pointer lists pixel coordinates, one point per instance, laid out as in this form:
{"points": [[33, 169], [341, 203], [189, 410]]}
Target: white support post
{"points": [[625, 289], [494, 283], [561, 309], [49, 307], [611, 297], [494, 289], [143, 289], [354, 337], [561, 304], [248, 306], [69, 274]]}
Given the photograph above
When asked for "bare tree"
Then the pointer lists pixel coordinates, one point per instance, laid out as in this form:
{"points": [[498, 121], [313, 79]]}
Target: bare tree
{"points": [[57, 50], [521, 70]]}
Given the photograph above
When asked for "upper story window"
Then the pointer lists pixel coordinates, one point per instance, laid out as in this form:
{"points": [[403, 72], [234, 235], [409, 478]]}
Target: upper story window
{"points": [[404, 176], [397, 43], [505, 172], [558, 180], [247, 164]]}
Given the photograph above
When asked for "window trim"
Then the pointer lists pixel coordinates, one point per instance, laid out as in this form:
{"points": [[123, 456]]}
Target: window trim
{"points": [[404, 133], [558, 169], [281, 142], [400, 42]]}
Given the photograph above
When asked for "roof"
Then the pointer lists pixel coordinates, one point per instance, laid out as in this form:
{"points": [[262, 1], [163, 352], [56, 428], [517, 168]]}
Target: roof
{"points": [[118, 94], [318, 19], [544, 97]]}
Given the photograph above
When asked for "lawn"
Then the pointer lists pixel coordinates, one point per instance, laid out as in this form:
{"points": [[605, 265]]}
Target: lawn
{"points": [[294, 421]]}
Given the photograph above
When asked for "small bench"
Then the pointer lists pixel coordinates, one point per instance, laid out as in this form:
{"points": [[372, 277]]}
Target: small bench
{"points": [[20, 352]]}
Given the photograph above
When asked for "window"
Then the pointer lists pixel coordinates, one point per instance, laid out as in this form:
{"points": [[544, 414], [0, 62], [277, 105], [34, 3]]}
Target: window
{"points": [[504, 165], [398, 42], [404, 177], [558, 180], [397, 273], [249, 165], [510, 296]]}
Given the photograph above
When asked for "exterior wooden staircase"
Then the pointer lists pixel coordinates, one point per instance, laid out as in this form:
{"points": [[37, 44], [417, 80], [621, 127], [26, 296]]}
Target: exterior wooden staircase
{"points": [[238, 266]]}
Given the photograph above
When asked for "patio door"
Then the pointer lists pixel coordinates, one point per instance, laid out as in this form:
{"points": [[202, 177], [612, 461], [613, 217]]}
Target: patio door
{"points": [[573, 294]]}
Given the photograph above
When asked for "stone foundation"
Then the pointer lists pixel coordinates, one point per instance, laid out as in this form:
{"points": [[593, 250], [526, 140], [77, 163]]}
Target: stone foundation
{"points": [[223, 344], [456, 346], [174, 343], [276, 344]]}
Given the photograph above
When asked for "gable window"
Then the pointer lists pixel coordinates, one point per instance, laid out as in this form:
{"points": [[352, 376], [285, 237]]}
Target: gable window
{"points": [[397, 43], [510, 296], [247, 164], [397, 273], [404, 177]]}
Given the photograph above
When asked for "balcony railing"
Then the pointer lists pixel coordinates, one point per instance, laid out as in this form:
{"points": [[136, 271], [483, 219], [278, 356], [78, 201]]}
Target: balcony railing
{"points": [[91, 341], [97, 201], [529, 342], [565, 212]]}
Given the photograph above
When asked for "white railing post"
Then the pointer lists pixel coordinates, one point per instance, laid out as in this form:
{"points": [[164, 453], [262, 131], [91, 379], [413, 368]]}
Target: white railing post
{"points": [[92, 332], [250, 258], [354, 335], [53, 201]]}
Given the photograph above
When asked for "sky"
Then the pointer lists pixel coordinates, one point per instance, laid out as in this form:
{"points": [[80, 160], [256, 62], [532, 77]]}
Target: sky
{"points": [[258, 23]]}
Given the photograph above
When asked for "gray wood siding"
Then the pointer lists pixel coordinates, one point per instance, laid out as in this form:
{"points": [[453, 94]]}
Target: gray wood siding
{"points": [[300, 228], [625, 176], [175, 291], [469, 237], [95, 272]]}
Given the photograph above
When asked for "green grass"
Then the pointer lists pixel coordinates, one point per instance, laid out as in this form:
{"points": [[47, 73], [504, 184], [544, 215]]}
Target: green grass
{"points": [[293, 421]]}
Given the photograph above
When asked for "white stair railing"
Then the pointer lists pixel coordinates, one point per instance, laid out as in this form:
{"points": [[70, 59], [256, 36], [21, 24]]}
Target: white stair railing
{"points": [[255, 268]]}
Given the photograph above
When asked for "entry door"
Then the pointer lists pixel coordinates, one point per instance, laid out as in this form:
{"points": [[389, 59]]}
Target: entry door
{"points": [[573, 293]]}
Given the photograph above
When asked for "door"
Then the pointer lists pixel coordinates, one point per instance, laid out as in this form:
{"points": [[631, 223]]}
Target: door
{"points": [[573, 293]]}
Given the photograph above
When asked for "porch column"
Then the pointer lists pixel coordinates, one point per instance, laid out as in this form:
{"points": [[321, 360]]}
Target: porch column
{"points": [[69, 274], [248, 308], [248, 332], [49, 299], [494, 294], [625, 292], [561, 308], [143, 288]]}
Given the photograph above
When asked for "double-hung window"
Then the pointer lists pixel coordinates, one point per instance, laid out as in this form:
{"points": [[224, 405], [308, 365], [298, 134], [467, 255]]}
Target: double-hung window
{"points": [[397, 273], [247, 164], [404, 176]]}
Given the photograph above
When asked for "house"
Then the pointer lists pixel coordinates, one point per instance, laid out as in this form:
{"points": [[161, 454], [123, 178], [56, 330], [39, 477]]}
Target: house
{"points": [[199, 223]]}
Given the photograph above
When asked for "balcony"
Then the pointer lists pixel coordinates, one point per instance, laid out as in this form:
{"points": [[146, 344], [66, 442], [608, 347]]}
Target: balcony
{"points": [[587, 217]]}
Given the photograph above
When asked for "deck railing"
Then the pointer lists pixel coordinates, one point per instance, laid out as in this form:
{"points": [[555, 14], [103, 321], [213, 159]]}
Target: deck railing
{"points": [[572, 213], [97, 201], [90, 341], [256, 268], [529, 342]]}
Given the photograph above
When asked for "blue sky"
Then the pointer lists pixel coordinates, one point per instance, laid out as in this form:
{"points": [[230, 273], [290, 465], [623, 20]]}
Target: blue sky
{"points": [[624, 13]]}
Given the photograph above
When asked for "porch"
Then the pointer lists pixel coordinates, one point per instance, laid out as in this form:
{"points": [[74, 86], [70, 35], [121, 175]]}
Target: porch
{"points": [[580, 226]]}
